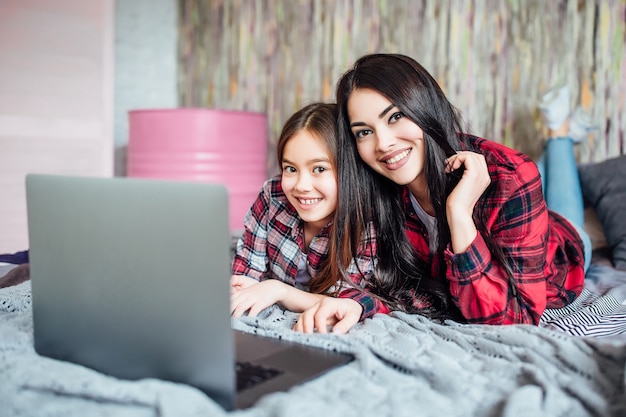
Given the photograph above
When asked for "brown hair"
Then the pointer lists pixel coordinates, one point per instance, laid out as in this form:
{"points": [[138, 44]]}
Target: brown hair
{"points": [[319, 119]]}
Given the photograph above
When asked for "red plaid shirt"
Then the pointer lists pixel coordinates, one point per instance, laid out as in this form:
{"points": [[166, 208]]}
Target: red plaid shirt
{"points": [[273, 241], [545, 251]]}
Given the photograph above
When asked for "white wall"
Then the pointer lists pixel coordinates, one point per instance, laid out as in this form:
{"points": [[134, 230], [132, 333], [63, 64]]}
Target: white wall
{"points": [[69, 72], [145, 63], [56, 98]]}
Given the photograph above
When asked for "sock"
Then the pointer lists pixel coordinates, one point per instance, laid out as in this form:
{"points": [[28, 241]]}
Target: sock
{"points": [[555, 106], [581, 125]]}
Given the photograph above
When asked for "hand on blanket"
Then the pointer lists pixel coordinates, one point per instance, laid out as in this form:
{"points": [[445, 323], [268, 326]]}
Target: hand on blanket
{"points": [[337, 314], [249, 295], [253, 296]]}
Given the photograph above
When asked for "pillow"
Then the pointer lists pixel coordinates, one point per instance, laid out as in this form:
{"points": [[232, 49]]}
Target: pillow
{"points": [[604, 187], [594, 229], [11, 275]]}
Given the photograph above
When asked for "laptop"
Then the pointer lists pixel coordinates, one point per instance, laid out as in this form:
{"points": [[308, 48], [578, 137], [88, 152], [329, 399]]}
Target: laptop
{"points": [[130, 277]]}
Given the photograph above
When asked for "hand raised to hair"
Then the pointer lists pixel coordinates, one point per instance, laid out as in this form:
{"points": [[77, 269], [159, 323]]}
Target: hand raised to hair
{"points": [[473, 183], [463, 198]]}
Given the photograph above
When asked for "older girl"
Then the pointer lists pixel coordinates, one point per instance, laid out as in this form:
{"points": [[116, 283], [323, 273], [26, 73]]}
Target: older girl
{"points": [[462, 224]]}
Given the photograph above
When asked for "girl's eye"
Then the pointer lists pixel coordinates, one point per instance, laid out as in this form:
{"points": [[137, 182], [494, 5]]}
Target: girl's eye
{"points": [[396, 116], [362, 133], [289, 169], [318, 170]]}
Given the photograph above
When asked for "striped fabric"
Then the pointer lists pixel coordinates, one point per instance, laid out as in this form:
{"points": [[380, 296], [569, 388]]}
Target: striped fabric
{"points": [[589, 315]]}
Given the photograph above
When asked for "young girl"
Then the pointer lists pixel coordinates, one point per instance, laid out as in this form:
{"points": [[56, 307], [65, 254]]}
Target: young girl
{"points": [[463, 227], [282, 255]]}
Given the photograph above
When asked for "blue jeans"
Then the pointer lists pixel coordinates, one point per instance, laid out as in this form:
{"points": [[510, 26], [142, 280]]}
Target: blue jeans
{"points": [[561, 186]]}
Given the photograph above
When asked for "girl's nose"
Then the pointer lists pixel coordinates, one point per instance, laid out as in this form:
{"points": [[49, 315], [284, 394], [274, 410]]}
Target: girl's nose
{"points": [[384, 140], [304, 182]]}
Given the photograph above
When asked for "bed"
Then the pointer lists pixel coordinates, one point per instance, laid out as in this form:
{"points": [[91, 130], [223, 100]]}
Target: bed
{"points": [[573, 364]]}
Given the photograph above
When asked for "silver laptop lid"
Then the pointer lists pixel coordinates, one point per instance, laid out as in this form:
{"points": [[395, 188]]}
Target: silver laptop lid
{"points": [[97, 244]]}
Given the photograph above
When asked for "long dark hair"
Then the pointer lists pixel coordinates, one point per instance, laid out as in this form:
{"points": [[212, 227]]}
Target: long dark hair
{"points": [[399, 273]]}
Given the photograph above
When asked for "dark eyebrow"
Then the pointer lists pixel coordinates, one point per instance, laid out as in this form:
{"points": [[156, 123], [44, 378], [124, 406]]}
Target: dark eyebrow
{"points": [[384, 112], [380, 116], [311, 161]]}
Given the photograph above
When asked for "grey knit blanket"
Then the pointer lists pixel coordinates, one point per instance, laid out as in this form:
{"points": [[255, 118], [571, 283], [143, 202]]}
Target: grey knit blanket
{"points": [[404, 365]]}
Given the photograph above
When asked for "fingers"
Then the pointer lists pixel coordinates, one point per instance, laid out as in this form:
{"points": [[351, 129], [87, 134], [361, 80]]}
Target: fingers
{"points": [[251, 299], [336, 315], [453, 163], [469, 159], [327, 315], [238, 310], [306, 321], [253, 307], [256, 308], [348, 317], [238, 306], [476, 173], [346, 323]]}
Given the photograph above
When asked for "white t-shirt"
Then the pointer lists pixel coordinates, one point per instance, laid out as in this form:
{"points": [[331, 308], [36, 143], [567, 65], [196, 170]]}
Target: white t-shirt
{"points": [[429, 221]]}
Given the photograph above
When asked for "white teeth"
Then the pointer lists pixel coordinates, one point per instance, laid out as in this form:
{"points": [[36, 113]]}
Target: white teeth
{"points": [[398, 157], [309, 201]]}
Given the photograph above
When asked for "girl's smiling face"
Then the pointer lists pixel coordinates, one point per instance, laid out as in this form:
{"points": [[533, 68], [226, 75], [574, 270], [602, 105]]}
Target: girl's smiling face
{"points": [[309, 179], [388, 141]]}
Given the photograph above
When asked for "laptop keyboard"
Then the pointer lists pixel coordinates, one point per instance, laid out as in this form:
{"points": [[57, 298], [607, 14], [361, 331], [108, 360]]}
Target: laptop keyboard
{"points": [[249, 374]]}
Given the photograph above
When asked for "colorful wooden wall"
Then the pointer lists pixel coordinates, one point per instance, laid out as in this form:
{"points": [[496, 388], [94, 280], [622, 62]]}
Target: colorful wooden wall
{"points": [[494, 58]]}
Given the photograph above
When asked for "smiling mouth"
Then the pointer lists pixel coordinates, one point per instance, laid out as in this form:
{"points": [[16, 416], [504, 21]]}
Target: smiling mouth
{"points": [[309, 201], [398, 157]]}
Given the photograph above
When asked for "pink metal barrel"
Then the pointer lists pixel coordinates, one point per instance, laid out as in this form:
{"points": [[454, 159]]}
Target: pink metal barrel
{"points": [[194, 144]]}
